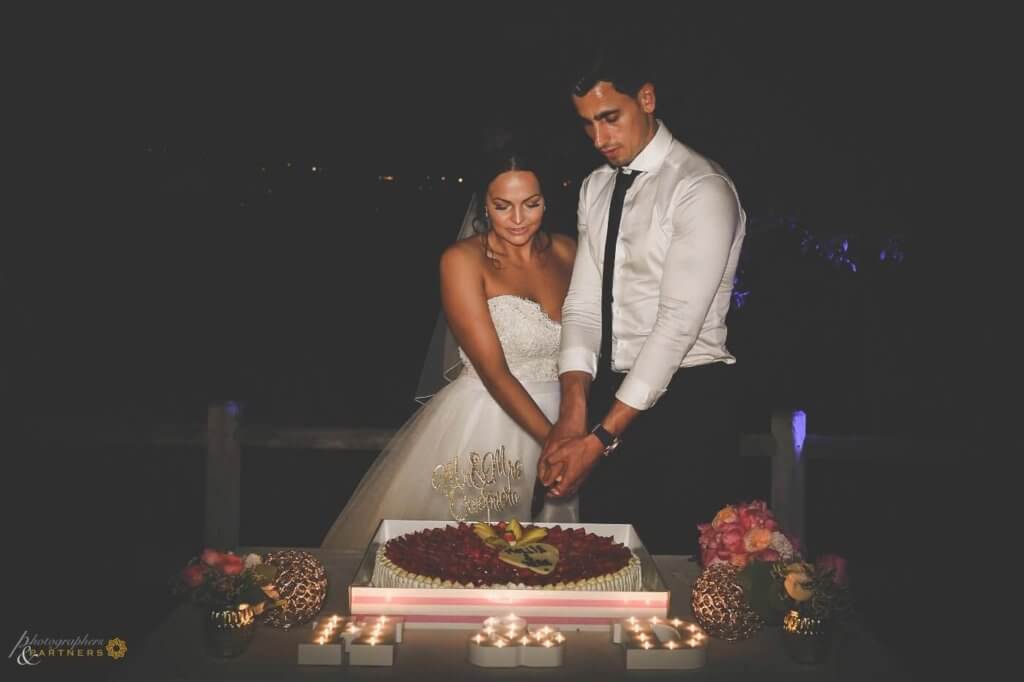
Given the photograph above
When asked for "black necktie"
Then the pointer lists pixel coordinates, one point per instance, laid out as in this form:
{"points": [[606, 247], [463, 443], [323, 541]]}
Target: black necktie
{"points": [[622, 183]]}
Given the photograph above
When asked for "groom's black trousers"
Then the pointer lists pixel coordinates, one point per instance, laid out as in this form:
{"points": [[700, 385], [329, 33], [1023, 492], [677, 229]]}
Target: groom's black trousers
{"points": [[678, 462]]}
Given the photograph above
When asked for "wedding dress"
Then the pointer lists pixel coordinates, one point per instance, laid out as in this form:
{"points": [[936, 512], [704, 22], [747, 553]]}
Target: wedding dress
{"points": [[460, 457]]}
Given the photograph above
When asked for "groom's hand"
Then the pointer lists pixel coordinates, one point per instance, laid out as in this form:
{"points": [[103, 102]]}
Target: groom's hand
{"points": [[571, 461], [565, 429]]}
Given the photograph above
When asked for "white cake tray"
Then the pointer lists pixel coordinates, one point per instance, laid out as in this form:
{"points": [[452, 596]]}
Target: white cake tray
{"points": [[467, 608]]}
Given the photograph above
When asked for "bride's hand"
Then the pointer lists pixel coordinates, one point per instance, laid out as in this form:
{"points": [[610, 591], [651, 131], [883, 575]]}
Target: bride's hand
{"points": [[566, 428], [570, 464]]}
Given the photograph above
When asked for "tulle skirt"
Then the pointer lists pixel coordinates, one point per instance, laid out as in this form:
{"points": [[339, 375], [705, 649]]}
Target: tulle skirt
{"points": [[460, 457]]}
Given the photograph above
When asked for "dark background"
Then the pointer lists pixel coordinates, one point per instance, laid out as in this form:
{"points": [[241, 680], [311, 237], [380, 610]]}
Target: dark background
{"points": [[170, 244]]}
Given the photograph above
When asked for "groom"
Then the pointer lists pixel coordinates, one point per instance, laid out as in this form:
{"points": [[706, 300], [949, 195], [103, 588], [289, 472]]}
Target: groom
{"points": [[643, 362]]}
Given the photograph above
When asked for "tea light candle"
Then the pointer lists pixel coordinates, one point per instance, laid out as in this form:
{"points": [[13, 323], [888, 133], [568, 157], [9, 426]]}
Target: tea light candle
{"points": [[632, 625], [547, 651], [326, 648], [492, 651], [396, 623], [507, 643], [375, 646], [512, 620], [659, 644]]}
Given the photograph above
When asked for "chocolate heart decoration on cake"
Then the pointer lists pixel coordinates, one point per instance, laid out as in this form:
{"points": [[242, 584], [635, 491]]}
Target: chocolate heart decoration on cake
{"points": [[538, 557]]}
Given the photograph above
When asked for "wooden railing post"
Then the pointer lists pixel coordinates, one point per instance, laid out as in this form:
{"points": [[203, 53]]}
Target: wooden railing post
{"points": [[789, 429], [223, 476]]}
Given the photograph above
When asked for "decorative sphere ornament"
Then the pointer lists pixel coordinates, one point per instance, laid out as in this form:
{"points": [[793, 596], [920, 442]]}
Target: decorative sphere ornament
{"points": [[302, 580], [720, 607]]}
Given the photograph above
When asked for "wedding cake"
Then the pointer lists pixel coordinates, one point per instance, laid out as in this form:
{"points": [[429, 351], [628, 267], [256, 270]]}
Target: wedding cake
{"points": [[506, 555]]}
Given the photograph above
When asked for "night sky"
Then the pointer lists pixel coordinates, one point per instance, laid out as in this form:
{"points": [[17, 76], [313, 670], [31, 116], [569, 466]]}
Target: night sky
{"points": [[207, 219]]}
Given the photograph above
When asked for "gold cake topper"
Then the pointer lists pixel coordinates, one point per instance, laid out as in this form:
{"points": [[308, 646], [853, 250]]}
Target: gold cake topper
{"points": [[485, 487]]}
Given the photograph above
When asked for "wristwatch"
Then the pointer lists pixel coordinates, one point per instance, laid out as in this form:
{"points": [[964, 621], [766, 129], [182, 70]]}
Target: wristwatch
{"points": [[609, 441]]}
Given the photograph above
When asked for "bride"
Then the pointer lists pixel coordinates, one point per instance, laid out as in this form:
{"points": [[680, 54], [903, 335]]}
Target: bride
{"points": [[471, 452]]}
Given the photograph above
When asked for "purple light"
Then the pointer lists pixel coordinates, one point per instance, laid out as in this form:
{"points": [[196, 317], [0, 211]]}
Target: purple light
{"points": [[232, 408], [799, 431]]}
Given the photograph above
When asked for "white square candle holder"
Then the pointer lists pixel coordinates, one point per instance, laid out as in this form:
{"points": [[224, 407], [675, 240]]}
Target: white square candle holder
{"points": [[388, 627], [327, 646], [369, 640], [373, 639], [508, 643], [661, 644]]}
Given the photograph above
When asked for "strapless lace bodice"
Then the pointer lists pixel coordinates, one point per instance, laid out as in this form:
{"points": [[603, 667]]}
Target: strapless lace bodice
{"points": [[529, 338]]}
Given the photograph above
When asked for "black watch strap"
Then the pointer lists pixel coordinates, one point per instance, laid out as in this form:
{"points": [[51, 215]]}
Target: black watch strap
{"points": [[608, 440]]}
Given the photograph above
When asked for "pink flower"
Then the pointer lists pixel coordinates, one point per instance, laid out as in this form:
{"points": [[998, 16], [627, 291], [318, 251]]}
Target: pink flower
{"points": [[193, 575], [836, 564], [212, 557], [733, 539], [233, 565]]}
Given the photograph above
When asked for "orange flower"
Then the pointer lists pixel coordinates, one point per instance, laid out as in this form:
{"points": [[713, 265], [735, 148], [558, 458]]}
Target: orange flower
{"points": [[798, 582], [725, 515], [757, 539]]}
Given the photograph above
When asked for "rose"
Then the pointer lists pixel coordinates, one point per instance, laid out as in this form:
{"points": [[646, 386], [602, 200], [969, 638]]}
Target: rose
{"points": [[837, 565], [233, 565], [725, 515], [732, 538], [798, 582], [252, 560], [193, 575], [212, 557], [757, 539], [752, 516]]}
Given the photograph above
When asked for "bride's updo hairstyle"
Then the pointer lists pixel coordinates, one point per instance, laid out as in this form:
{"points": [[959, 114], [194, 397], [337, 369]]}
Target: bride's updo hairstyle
{"points": [[501, 158]]}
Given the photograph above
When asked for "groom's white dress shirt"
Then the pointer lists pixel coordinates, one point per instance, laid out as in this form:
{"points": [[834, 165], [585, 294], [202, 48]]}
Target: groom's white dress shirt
{"points": [[679, 243]]}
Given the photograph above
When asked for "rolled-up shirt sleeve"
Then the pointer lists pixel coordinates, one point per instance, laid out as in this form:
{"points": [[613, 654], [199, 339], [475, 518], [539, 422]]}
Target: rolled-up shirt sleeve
{"points": [[581, 312], [706, 216]]}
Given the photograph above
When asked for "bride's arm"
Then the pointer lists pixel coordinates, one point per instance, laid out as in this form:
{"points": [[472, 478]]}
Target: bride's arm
{"points": [[465, 306]]}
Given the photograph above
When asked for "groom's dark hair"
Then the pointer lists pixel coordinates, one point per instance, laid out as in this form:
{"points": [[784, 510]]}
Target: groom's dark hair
{"points": [[626, 70]]}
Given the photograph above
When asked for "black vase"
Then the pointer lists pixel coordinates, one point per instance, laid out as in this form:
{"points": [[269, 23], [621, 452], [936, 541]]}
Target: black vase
{"points": [[229, 630], [807, 639]]}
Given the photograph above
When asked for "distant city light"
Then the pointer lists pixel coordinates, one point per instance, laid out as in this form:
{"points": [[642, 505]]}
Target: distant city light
{"points": [[460, 180], [314, 169], [442, 178], [386, 178]]}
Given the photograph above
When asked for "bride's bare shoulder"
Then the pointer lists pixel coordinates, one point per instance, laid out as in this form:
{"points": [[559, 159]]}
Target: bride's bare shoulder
{"points": [[463, 255]]}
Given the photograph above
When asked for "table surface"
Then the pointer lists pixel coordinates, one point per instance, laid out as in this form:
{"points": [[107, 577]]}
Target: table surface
{"points": [[175, 650]]}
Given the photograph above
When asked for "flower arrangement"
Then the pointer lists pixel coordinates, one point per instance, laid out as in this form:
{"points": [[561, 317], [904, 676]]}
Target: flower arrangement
{"points": [[820, 589], [774, 576], [742, 533], [217, 579]]}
